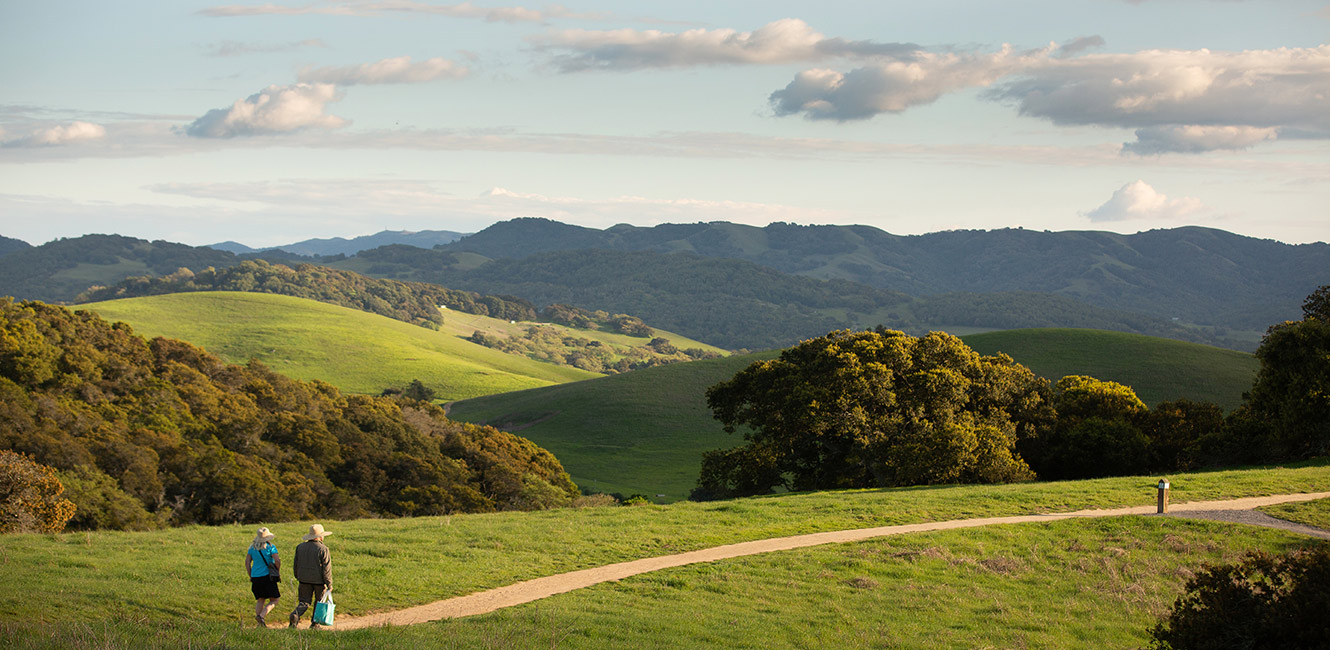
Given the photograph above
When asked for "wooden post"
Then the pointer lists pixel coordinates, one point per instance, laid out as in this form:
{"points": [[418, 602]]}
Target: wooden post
{"points": [[1163, 495]]}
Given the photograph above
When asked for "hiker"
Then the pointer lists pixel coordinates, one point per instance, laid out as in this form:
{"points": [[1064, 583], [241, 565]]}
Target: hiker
{"points": [[313, 569], [264, 570]]}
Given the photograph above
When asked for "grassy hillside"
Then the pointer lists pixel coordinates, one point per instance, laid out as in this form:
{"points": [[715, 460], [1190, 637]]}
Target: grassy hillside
{"points": [[640, 432], [356, 351], [1158, 369], [645, 432], [1068, 584]]}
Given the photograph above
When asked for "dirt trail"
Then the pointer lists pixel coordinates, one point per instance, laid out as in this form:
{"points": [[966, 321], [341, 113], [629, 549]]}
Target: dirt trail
{"points": [[530, 590]]}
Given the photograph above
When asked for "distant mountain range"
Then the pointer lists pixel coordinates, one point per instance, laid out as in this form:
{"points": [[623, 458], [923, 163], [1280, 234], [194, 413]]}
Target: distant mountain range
{"points": [[342, 246], [740, 304], [741, 286], [1197, 275]]}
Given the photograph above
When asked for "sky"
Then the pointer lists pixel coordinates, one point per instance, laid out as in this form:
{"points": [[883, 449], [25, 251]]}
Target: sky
{"points": [[273, 122]]}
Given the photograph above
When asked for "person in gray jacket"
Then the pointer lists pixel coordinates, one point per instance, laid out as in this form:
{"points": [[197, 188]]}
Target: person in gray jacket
{"points": [[313, 569]]}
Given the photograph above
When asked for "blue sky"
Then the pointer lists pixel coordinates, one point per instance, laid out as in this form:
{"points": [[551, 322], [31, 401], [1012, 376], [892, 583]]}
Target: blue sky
{"points": [[272, 122]]}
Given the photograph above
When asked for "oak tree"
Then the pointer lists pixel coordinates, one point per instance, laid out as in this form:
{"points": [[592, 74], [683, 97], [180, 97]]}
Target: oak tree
{"points": [[874, 408]]}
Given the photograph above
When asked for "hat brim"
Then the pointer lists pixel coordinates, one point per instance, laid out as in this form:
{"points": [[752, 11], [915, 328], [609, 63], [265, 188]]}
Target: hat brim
{"points": [[309, 537]]}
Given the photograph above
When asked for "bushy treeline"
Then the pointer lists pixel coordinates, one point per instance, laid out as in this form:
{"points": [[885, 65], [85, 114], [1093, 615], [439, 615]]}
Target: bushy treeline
{"points": [[154, 433], [413, 302], [593, 320], [881, 409]]}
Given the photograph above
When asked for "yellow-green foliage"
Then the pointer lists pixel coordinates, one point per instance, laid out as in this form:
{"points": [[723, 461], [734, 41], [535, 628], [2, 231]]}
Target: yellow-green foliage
{"points": [[880, 408], [192, 439], [30, 496]]}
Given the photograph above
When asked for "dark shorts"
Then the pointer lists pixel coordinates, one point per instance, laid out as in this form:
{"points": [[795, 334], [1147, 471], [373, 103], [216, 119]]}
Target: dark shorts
{"points": [[309, 593], [264, 587]]}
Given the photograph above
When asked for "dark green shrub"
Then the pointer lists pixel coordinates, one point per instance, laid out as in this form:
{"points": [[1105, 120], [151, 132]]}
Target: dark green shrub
{"points": [[1262, 602]]}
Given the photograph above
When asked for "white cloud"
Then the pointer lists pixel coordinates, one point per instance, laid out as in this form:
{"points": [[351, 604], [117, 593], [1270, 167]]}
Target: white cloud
{"points": [[1183, 101], [388, 71], [784, 41], [274, 110], [891, 86], [59, 134], [1138, 201], [1197, 139], [1260, 88], [364, 8]]}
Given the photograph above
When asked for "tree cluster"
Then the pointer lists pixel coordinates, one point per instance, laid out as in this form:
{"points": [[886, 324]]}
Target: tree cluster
{"points": [[144, 434], [596, 320], [546, 343], [1101, 428], [876, 409]]}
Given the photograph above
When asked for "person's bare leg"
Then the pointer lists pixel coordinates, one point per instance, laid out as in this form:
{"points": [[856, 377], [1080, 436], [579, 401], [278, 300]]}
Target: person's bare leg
{"points": [[260, 612]]}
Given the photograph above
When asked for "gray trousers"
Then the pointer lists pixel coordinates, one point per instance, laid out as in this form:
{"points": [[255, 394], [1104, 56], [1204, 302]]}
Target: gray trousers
{"points": [[309, 593]]}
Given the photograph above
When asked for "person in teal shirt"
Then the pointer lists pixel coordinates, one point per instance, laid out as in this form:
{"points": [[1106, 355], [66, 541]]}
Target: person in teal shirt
{"points": [[263, 568]]}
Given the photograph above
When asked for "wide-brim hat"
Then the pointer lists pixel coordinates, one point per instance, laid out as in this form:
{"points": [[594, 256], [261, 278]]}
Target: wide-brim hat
{"points": [[315, 531], [264, 535]]}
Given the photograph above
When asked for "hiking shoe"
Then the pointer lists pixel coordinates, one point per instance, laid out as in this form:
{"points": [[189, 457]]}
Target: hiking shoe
{"points": [[262, 623], [314, 626], [292, 618]]}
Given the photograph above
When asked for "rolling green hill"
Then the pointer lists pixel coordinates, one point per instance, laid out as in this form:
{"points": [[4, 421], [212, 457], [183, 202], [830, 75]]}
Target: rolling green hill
{"points": [[641, 432], [1158, 369], [645, 432], [356, 351]]}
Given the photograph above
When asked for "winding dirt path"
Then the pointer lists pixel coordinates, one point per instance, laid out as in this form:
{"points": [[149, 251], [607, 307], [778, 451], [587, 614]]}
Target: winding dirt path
{"points": [[531, 590]]}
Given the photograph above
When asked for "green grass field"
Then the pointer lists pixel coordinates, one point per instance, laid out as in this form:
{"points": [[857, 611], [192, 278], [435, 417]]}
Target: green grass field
{"points": [[645, 432], [1312, 513], [640, 432], [1068, 584], [356, 351], [1158, 369]]}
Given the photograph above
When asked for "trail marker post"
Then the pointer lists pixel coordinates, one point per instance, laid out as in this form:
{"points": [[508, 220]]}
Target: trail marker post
{"points": [[1163, 495]]}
